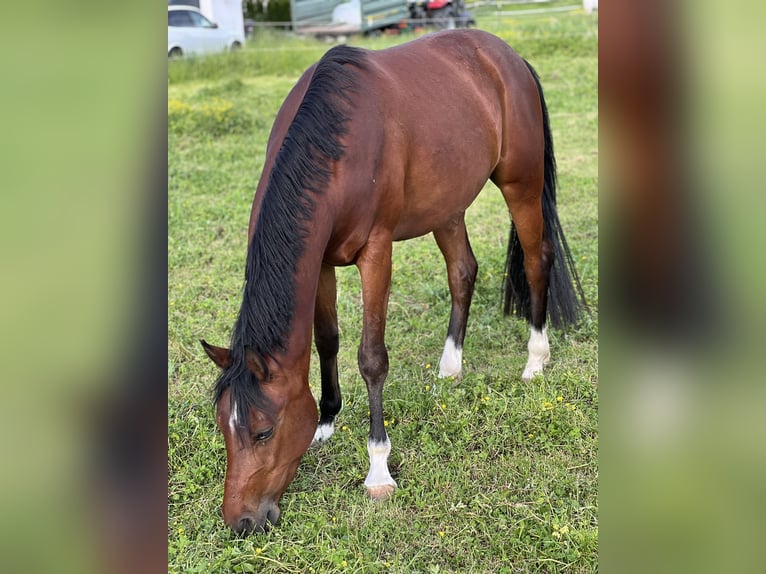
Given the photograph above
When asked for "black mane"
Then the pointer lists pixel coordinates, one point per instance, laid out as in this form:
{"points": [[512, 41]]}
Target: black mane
{"points": [[301, 171]]}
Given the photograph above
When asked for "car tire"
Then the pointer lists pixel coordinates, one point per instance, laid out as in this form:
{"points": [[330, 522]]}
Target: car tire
{"points": [[235, 47], [175, 53]]}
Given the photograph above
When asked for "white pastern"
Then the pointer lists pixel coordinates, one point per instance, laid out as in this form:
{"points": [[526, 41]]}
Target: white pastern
{"points": [[379, 475], [323, 433], [452, 360], [539, 354]]}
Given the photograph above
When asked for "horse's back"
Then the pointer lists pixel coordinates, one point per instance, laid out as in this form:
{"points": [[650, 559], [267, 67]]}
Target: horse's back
{"points": [[449, 103]]}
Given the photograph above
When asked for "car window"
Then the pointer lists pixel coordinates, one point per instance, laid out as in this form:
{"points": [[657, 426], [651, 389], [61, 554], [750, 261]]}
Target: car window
{"points": [[199, 21], [180, 18]]}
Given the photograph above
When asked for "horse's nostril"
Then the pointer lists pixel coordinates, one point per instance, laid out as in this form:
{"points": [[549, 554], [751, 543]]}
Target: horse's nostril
{"points": [[273, 515], [245, 526]]}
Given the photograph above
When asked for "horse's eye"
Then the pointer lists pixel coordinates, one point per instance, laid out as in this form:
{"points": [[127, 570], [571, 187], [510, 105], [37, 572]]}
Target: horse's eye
{"points": [[264, 435]]}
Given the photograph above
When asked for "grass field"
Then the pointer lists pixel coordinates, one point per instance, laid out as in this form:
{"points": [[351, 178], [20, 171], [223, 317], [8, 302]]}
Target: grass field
{"points": [[494, 475]]}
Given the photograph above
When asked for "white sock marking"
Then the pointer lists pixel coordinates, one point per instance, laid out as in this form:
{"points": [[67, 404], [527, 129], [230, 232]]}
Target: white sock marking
{"points": [[451, 363], [379, 475], [323, 432], [539, 354]]}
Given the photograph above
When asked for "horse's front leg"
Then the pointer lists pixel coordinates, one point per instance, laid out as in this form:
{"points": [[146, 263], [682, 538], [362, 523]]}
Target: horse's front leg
{"points": [[374, 264], [326, 341]]}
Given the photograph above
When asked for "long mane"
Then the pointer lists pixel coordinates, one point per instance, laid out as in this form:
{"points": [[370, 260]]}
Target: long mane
{"points": [[300, 174]]}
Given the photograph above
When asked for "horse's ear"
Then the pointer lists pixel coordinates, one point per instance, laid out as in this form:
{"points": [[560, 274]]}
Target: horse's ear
{"points": [[219, 355], [256, 364]]}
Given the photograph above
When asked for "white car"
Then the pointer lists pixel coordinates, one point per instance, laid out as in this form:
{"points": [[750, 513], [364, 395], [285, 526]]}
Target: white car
{"points": [[189, 32]]}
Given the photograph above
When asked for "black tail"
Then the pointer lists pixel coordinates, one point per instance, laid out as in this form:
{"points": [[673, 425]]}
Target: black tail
{"points": [[563, 304]]}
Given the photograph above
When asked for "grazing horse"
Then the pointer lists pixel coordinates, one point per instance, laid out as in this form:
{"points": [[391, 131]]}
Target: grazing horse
{"points": [[367, 149]]}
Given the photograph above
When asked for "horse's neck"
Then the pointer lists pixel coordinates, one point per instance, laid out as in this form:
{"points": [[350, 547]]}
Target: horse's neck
{"points": [[306, 278]]}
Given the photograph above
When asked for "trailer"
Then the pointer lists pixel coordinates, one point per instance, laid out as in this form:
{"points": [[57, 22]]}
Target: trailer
{"points": [[340, 18]]}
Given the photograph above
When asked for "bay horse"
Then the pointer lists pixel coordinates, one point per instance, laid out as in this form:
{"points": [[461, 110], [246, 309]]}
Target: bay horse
{"points": [[372, 147]]}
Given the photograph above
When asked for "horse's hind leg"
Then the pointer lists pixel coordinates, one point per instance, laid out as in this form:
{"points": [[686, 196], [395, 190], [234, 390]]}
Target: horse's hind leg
{"points": [[374, 264], [461, 274], [326, 340], [526, 212]]}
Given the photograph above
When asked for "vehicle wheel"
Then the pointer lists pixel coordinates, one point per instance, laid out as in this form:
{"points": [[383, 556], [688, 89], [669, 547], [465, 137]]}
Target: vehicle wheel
{"points": [[235, 46], [175, 53]]}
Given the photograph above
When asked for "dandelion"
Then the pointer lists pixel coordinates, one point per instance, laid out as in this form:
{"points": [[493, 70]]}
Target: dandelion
{"points": [[385, 423], [444, 406], [259, 550], [442, 534], [559, 398], [344, 563], [343, 428], [547, 405], [428, 365], [428, 387]]}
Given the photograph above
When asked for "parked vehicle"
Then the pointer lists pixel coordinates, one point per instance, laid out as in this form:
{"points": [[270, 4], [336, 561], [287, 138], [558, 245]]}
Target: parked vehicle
{"points": [[189, 32], [440, 13], [336, 17]]}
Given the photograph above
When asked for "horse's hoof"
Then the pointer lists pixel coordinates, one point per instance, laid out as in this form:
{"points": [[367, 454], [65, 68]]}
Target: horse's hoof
{"points": [[534, 368], [380, 493]]}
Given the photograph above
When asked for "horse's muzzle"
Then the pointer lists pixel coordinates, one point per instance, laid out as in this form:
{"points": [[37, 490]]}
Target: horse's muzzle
{"points": [[250, 522]]}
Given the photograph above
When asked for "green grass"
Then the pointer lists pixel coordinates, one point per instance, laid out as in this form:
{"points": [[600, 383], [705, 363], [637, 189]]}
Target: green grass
{"points": [[494, 475]]}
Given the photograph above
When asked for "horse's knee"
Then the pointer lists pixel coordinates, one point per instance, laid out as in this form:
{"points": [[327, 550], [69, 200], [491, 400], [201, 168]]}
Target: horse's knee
{"points": [[373, 363]]}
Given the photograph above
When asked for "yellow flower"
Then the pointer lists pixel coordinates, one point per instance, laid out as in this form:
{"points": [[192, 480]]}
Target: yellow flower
{"points": [[559, 398], [442, 533], [344, 563], [428, 387], [258, 550], [343, 428], [444, 406], [547, 405], [428, 365], [385, 423]]}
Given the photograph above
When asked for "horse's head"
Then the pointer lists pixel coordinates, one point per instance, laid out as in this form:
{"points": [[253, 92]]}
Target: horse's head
{"points": [[263, 450]]}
